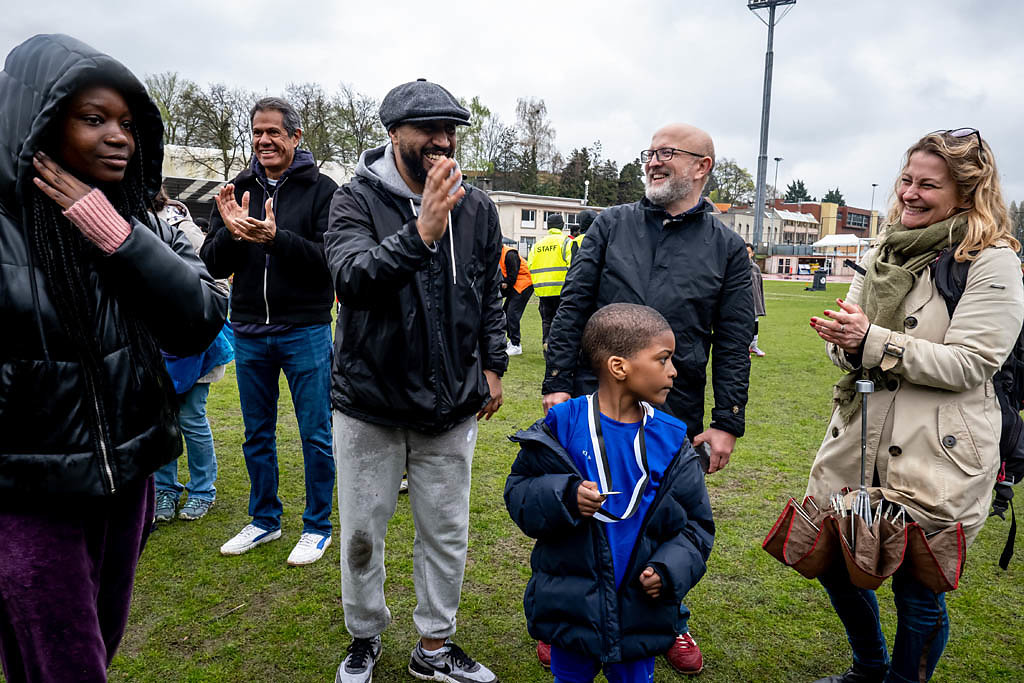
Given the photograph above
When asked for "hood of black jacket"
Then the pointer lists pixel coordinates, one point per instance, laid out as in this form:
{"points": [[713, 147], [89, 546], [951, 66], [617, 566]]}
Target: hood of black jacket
{"points": [[303, 167], [38, 76]]}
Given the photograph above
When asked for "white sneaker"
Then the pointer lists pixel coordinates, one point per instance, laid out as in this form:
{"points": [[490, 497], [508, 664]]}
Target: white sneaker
{"points": [[248, 538], [452, 665], [514, 349], [309, 549]]}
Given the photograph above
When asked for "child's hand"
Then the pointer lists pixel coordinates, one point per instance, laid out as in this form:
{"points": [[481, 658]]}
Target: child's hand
{"points": [[651, 582], [588, 500]]}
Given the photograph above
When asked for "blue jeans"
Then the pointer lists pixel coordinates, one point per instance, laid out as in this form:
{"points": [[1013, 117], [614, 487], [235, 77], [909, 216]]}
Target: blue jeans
{"points": [[304, 354], [922, 624], [202, 460], [570, 667], [683, 620]]}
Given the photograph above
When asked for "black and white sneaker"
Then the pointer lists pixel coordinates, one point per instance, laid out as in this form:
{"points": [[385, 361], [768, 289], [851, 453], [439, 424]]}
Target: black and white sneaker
{"points": [[451, 665], [357, 667]]}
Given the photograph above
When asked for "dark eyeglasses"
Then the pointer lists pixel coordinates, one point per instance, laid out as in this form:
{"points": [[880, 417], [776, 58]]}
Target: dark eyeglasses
{"points": [[959, 133], [666, 154]]}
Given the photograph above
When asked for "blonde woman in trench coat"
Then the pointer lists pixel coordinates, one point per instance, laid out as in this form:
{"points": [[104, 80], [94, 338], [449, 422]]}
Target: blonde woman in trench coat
{"points": [[933, 421]]}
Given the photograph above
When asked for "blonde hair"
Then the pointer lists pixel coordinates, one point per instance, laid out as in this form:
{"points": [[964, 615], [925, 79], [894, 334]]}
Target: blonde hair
{"points": [[973, 170]]}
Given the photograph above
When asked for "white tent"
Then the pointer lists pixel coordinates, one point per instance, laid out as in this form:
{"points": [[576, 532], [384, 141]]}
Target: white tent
{"points": [[837, 241]]}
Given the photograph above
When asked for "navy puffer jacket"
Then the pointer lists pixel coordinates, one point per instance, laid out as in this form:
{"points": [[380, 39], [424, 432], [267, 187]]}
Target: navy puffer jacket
{"points": [[571, 600]]}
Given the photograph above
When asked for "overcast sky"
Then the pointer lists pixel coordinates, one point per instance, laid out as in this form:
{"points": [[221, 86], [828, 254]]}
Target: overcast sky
{"points": [[855, 81]]}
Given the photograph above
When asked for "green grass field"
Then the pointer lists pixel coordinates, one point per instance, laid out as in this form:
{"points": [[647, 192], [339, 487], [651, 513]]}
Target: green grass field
{"points": [[198, 616]]}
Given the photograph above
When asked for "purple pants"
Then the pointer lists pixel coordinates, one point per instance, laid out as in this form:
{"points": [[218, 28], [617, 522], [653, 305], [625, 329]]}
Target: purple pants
{"points": [[66, 575]]}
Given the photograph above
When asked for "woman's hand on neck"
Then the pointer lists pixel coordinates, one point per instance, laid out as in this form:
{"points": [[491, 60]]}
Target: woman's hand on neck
{"points": [[618, 403]]}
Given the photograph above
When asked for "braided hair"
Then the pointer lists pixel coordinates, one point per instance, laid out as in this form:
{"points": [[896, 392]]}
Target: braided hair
{"points": [[66, 258]]}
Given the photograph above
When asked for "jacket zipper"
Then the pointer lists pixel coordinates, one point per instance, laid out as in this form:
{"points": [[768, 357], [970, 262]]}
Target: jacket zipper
{"points": [[266, 260], [91, 387]]}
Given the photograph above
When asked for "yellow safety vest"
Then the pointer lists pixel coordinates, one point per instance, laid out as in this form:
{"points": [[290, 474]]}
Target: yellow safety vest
{"points": [[549, 262]]}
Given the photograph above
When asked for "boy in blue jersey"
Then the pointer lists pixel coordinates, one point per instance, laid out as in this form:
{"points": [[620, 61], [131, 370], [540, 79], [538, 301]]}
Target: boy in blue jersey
{"points": [[614, 494]]}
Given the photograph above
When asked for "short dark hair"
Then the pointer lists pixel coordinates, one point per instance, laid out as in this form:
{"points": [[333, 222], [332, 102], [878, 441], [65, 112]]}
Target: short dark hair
{"points": [[751, 247], [292, 122], [620, 330]]}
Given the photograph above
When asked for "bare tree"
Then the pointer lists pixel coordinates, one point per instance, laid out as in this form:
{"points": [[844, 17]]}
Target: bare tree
{"points": [[359, 127], [221, 117], [536, 135], [171, 93], [318, 111]]}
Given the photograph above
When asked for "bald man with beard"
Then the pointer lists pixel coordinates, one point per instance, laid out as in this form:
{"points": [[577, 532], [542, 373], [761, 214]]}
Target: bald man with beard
{"points": [[669, 252]]}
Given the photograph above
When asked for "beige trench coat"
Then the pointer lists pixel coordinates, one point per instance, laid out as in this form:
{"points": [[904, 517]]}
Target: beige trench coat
{"points": [[933, 431]]}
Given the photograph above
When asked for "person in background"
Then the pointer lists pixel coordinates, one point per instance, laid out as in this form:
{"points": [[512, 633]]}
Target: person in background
{"points": [[757, 282], [93, 286], [933, 423], [585, 218], [192, 377], [549, 263], [517, 288]]}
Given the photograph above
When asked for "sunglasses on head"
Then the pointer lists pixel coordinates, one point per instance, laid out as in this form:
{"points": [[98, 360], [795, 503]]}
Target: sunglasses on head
{"points": [[960, 133]]}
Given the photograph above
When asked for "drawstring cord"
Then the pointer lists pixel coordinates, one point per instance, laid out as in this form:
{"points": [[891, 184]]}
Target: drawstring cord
{"points": [[451, 237]]}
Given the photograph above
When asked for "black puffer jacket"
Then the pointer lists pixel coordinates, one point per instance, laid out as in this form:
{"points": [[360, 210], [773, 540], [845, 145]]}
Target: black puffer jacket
{"points": [[695, 272], [411, 346], [285, 281], [46, 446], [571, 600]]}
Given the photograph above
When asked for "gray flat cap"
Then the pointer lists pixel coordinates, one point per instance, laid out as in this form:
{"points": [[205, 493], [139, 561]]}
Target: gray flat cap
{"points": [[421, 100]]}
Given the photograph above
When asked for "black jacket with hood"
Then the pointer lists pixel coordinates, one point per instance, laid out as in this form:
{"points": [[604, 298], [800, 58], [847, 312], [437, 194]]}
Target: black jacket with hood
{"points": [[413, 337], [284, 281], [571, 599], [691, 269], [46, 443]]}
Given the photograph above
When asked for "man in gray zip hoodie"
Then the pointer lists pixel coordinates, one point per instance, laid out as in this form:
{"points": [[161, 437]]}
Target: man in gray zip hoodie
{"points": [[419, 353]]}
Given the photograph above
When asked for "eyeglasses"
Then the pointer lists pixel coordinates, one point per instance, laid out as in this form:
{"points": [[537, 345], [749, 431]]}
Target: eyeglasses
{"points": [[959, 133], [666, 154]]}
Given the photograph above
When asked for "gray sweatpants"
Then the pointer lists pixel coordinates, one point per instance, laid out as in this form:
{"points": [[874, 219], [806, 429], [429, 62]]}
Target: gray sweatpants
{"points": [[370, 460]]}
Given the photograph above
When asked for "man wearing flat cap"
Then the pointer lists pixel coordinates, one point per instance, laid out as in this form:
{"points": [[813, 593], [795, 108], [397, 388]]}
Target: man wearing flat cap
{"points": [[419, 353]]}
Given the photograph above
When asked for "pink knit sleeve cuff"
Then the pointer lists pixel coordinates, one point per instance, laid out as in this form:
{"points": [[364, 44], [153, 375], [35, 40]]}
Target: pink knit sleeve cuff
{"points": [[99, 221]]}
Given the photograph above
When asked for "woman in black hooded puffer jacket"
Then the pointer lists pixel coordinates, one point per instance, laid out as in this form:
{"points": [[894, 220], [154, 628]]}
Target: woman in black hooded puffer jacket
{"points": [[92, 285]]}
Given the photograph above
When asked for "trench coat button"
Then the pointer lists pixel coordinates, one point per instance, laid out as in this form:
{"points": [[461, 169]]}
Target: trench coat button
{"points": [[895, 450], [949, 441], [910, 322], [835, 432], [892, 385]]}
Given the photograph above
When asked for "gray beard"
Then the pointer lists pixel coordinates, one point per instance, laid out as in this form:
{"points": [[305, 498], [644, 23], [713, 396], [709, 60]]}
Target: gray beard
{"points": [[675, 189]]}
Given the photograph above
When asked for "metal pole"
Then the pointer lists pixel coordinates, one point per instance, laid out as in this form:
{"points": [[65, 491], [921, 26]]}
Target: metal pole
{"points": [[871, 214], [775, 189], [766, 105]]}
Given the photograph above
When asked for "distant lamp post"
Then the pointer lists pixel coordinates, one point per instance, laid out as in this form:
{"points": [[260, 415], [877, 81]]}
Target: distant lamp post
{"points": [[586, 191], [775, 189], [871, 213]]}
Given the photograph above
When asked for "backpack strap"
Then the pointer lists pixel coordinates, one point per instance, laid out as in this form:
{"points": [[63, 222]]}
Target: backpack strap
{"points": [[950, 278]]}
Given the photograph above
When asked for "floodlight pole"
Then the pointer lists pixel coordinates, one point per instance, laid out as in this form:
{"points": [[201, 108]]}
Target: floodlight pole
{"points": [[871, 213], [766, 105]]}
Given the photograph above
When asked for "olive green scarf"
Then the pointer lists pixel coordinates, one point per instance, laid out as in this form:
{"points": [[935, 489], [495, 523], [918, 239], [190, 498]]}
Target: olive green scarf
{"points": [[901, 257]]}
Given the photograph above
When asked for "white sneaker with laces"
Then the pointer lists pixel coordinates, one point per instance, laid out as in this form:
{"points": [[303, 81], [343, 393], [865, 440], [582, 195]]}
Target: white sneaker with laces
{"points": [[248, 538], [514, 349], [309, 549]]}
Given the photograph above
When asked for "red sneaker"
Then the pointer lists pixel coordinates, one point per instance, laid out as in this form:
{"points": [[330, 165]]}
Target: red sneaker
{"points": [[684, 656], [544, 654]]}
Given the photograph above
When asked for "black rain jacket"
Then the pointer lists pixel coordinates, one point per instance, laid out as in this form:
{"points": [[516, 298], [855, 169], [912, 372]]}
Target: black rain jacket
{"points": [[286, 280], [570, 599], [46, 444], [411, 346], [691, 269]]}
